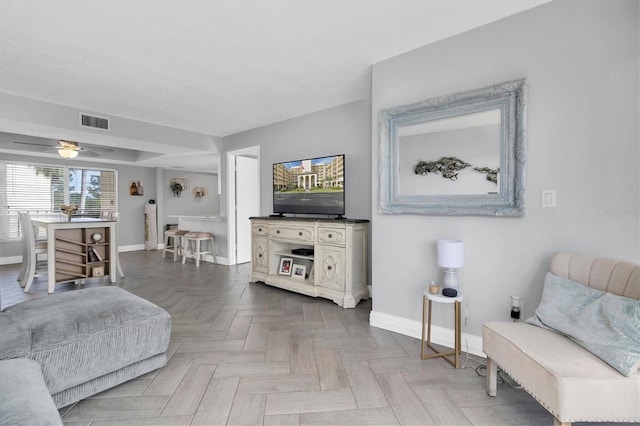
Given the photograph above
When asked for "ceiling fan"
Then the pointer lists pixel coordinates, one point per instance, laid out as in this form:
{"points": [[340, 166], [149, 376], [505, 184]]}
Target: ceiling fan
{"points": [[69, 149]]}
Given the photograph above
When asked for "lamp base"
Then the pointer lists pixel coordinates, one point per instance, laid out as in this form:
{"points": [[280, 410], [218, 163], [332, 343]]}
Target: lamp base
{"points": [[450, 279]]}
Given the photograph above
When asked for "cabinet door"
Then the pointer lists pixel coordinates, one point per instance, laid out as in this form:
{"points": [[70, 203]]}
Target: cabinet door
{"points": [[329, 264], [260, 255]]}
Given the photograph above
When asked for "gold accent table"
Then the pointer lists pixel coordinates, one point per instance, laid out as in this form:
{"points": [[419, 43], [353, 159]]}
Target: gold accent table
{"points": [[426, 321]]}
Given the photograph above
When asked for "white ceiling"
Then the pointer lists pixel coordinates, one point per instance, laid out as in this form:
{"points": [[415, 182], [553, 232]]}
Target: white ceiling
{"points": [[217, 67]]}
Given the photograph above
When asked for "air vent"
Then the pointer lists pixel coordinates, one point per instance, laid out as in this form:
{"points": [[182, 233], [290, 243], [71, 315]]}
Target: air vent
{"points": [[94, 122]]}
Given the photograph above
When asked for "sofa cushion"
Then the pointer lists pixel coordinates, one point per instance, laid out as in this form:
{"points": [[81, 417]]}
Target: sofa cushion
{"points": [[572, 383], [605, 324], [24, 399], [15, 338], [80, 335]]}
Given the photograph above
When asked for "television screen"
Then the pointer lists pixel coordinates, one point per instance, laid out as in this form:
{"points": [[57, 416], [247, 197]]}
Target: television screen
{"points": [[311, 186]]}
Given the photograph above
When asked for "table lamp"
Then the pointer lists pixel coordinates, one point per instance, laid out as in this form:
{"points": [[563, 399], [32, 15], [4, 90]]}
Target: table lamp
{"points": [[450, 257]]}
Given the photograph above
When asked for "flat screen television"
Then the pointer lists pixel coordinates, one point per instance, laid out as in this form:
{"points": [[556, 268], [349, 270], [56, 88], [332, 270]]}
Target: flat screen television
{"points": [[309, 186]]}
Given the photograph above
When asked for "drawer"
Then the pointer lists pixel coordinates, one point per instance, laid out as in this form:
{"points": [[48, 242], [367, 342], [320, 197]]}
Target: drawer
{"points": [[334, 236], [292, 233], [260, 229]]}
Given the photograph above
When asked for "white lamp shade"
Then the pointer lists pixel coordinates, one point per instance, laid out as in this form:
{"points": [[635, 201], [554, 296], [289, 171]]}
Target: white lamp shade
{"points": [[450, 253]]}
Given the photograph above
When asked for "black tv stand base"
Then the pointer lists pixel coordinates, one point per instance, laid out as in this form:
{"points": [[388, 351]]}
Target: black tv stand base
{"points": [[276, 215]]}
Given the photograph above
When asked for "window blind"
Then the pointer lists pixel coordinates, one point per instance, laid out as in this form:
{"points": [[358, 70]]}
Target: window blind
{"points": [[41, 189]]}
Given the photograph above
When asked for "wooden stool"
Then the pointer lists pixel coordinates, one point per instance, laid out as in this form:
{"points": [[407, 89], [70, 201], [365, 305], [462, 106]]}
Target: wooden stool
{"points": [[197, 238], [177, 247]]}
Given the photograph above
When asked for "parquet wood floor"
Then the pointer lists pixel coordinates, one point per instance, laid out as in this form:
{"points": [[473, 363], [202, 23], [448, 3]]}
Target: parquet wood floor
{"points": [[250, 354]]}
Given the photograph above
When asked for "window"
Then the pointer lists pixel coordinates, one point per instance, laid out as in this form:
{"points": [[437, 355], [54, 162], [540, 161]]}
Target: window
{"points": [[41, 189]]}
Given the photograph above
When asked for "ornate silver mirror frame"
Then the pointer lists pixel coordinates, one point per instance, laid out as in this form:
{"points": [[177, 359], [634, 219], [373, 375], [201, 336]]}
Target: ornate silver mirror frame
{"points": [[510, 99]]}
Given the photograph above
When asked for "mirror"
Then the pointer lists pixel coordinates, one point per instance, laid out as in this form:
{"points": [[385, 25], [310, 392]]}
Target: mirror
{"points": [[461, 154]]}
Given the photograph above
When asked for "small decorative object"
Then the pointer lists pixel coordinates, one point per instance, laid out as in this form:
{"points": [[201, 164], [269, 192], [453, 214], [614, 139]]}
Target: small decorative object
{"points": [[450, 257], [449, 292], [492, 174], [136, 188], [178, 185], [97, 271], [434, 288], [68, 210], [97, 237], [299, 272], [91, 255], [176, 188], [449, 167], [285, 266], [199, 191]]}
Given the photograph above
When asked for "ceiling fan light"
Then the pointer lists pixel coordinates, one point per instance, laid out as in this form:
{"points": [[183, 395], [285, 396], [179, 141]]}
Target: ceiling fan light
{"points": [[68, 153]]}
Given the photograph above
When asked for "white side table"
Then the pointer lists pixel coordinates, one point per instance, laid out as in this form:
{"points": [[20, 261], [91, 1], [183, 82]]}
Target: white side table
{"points": [[426, 320]]}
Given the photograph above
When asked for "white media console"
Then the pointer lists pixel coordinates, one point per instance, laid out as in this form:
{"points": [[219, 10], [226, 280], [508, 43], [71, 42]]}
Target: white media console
{"points": [[336, 269]]}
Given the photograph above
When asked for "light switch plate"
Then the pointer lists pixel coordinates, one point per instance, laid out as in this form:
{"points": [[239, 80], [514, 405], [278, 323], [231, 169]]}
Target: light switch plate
{"points": [[548, 198]]}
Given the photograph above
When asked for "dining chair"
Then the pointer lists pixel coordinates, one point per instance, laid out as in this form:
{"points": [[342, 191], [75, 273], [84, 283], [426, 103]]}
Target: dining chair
{"points": [[114, 216], [30, 251]]}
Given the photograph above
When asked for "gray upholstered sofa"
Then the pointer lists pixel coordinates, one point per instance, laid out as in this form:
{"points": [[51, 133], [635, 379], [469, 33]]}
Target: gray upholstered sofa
{"points": [[83, 341], [572, 383]]}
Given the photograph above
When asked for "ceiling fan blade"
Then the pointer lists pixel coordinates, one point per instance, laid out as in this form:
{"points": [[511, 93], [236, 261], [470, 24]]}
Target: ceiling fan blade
{"points": [[98, 148], [34, 143], [87, 152]]}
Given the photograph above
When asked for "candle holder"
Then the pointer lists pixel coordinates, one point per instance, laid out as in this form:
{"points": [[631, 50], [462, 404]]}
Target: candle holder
{"points": [[68, 210]]}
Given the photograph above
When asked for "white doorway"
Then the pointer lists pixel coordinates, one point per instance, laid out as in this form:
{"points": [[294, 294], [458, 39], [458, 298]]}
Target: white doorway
{"points": [[243, 171]]}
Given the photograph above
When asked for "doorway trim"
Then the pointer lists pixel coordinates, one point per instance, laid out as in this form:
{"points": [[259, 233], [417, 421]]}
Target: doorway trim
{"points": [[253, 151]]}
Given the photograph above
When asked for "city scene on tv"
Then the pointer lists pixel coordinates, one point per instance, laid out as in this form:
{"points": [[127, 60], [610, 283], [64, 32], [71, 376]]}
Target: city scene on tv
{"points": [[313, 186]]}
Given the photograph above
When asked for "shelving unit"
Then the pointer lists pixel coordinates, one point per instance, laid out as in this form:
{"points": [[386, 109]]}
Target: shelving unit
{"points": [[72, 259], [337, 270]]}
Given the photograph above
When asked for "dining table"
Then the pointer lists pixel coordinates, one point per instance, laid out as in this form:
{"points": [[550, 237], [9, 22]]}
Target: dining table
{"points": [[56, 248]]}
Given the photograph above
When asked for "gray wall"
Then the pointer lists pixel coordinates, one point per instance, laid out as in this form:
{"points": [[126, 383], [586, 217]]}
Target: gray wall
{"points": [[341, 130], [345, 129], [581, 61], [187, 204]]}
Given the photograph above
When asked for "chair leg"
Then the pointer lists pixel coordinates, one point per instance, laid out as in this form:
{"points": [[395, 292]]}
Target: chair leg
{"points": [[30, 271], [185, 250], [492, 377], [197, 253], [166, 244], [118, 265], [23, 267], [176, 247]]}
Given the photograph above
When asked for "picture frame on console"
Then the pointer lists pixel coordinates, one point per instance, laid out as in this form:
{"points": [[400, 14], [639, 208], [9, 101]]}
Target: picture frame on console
{"points": [[286, 266], [299, 271]]}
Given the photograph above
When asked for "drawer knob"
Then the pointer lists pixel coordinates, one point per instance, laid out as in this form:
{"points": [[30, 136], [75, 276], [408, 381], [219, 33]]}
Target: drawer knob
{"points": [[260, 255], [259, 229], [278, 231], [300, 233], [329, 268], [330, 235]]}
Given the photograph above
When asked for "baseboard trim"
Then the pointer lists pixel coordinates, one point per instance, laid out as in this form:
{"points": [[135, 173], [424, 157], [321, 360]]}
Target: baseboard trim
{"points": [[439, 335], [133, 247], [10, 260]]}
